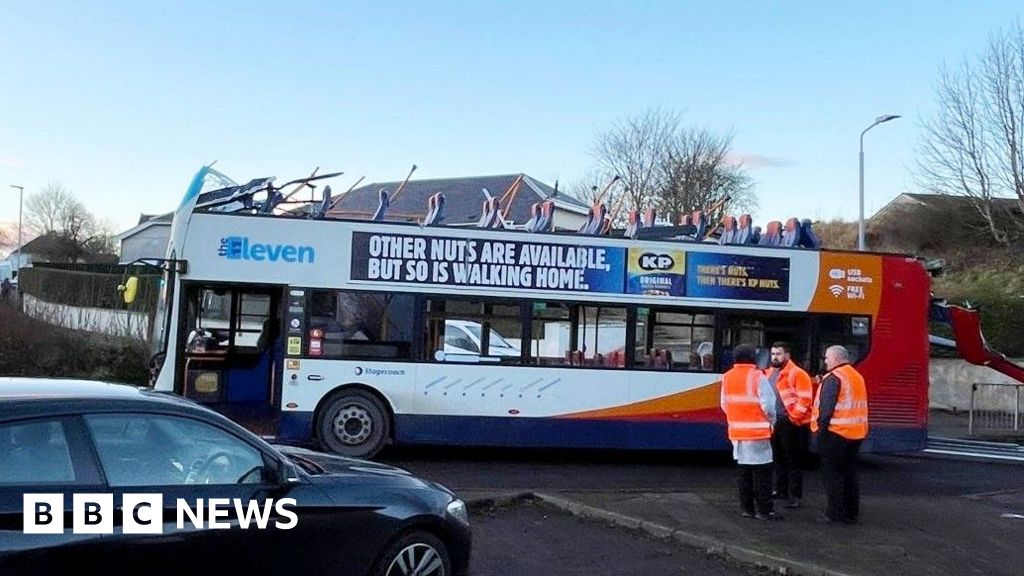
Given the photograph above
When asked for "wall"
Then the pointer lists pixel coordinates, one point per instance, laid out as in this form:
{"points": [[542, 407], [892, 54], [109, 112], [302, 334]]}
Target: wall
{"points": [[565, 220], [121, 323], [951, 381]]}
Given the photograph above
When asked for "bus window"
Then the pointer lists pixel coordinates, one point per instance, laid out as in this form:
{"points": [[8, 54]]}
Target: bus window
{"points": [[249, 322], [473, 331], [552, 329], [367, 325], [214, 317], [673, 340], [602, 336], [852, 332]]}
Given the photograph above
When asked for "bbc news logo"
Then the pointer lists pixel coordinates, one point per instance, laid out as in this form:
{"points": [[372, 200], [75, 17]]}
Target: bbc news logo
{"points": [[144, 514]]}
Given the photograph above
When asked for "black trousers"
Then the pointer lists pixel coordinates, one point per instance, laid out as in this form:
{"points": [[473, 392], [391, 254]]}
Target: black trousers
{"points": [[839, 471], [789, 443], [756, 488]]}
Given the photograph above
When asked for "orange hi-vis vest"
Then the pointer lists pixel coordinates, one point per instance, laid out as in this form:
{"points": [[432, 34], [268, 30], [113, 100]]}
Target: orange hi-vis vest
{"points": [[850, 417], [797, 393], [742, 405]]}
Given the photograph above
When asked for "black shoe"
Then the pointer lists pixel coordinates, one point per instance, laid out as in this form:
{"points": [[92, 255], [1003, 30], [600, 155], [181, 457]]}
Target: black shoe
{"points": [[768, 516], [826, 520], [746, 514], [851, 521], [793, 503], [778, 495]]}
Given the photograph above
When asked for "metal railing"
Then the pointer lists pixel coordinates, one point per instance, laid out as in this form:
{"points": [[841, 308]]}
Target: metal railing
{"points": [[1001, 411]]}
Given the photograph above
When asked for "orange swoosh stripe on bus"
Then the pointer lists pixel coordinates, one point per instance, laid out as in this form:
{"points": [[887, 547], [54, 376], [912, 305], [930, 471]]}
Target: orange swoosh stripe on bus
{"points": [[697, 400]]}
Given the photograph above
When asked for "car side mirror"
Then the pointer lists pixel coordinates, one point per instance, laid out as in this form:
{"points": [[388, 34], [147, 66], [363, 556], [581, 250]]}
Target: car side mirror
{"points": [[288, 473]]}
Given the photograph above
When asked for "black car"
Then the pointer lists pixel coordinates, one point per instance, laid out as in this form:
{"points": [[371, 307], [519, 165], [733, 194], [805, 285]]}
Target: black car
{"points": [[102, 449]]}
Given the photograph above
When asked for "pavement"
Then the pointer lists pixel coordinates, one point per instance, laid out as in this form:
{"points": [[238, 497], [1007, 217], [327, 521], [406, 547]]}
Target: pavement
{"points": [[534, 538], [920, 515], [946, 424]]}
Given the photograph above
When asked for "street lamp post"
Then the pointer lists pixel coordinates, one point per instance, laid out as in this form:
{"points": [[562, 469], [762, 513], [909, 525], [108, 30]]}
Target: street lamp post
{"points": [[860, 222], [21, 192]]}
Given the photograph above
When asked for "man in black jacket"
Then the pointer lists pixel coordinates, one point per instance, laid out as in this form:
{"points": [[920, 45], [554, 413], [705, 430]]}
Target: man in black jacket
{"points": [[840, 417]]}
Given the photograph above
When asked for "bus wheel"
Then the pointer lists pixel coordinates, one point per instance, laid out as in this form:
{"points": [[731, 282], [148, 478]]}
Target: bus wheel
{"points": [[354, 423]]}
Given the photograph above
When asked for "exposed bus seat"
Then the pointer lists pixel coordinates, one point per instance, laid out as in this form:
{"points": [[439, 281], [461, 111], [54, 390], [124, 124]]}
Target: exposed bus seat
{"points": [[547, 216], [728, 230], [632, 224], [431, 209], [586, 223], [274, 197], [599, 217], [325, 204], [772, 234], [488, 213], [700, 221], [791, 233], [648, 218], [808, 239], [484, 213], [743, 231], [534, 221], [435, 210], [595, 220], [382, 206]]}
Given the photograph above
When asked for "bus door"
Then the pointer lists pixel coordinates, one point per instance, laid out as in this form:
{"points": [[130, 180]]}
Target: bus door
{"points": [[761, 331], [233, 352]]}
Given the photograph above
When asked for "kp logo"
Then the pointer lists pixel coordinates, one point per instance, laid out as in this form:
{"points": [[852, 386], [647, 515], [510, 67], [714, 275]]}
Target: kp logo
{"points": [[649, 261]]}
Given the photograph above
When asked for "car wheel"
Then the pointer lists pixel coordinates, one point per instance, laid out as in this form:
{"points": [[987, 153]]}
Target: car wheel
{"points": [[354, 423], [416, 553]]}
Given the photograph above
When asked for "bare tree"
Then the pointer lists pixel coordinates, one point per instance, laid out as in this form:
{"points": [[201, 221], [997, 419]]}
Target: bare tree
{"points": [[74, 233], [974, 145], [668, 165], [55, 209], [698, 176], [7, 240], [596, 184], [635, 148]]}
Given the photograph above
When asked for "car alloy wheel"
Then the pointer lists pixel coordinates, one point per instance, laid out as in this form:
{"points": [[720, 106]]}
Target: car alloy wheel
{"points": [[417, 560]]}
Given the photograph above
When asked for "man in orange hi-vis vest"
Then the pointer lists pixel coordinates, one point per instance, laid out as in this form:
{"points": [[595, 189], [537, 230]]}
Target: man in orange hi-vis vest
{"points": [[794, 395], [840, 418], [749, 406]]}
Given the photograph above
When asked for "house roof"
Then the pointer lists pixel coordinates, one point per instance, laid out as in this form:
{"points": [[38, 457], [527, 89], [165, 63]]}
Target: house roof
{"points": [[143, 218], [942, 203], [48, 243], [463, 198]]}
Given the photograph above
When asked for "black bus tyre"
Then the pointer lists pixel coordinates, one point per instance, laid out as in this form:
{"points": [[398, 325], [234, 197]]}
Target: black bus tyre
{"points": [[354, 423], [415, 550]]}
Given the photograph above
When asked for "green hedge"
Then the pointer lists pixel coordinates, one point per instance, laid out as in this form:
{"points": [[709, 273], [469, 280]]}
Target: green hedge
{"points": [[1000, 296], [87, 289]]}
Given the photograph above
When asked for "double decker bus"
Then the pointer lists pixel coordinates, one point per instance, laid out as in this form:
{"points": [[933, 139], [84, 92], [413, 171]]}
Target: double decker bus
{"points": [[356, 334]]}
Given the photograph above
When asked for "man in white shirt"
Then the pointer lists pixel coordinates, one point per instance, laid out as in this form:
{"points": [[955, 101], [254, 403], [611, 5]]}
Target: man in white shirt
{"points": [[748, 401]]}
